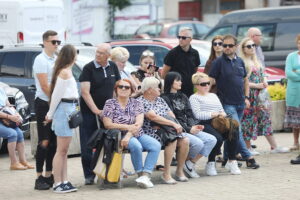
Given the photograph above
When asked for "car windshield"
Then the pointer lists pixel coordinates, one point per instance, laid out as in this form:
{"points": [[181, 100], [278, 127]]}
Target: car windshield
{"points": [[150, 29]]}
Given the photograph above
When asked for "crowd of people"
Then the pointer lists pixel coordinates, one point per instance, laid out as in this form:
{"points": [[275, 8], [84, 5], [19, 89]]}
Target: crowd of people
{"points": [[172, 111]]}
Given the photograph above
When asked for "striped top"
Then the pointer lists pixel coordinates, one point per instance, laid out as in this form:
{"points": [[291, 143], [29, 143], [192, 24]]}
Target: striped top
{"points": [[204, 106], [118, 115]]}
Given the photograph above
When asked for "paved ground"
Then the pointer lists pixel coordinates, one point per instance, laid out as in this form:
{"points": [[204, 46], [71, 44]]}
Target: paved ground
{"points": [[276, 180]]}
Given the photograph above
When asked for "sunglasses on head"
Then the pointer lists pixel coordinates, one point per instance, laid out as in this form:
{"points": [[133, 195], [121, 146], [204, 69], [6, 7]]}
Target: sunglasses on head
{"points": [[217, 43], [155, 67], [54, 42], [228, 45], [203, 84], [182, 37], [148, 53], [250, 46], [124, 87]]}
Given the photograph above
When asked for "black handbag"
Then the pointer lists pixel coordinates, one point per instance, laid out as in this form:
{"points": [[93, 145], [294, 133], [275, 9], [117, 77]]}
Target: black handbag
{"points": [[75, 119], [167, 133], [9, 111]]}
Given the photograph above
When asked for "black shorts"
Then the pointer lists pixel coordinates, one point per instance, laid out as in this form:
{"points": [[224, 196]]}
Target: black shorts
{"points": [[44, 132]]}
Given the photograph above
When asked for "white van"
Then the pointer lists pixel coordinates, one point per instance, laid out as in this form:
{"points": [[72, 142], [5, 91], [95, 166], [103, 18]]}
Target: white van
{"points": [[24, 21]]}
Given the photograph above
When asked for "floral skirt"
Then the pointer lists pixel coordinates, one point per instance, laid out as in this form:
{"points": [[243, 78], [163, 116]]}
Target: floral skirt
{"points": [[292, 117]]}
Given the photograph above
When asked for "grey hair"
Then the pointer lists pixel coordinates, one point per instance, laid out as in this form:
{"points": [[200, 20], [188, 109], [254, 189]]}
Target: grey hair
{"points": [[149, 82], [120, 54], [105, 46], [187, 29]]}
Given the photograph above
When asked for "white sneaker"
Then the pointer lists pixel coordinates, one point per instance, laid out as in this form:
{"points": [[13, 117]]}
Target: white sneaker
{"points": [[210, 169], [191, 172], [280, 150], [144, 182], [233, 167], [253, 152]]}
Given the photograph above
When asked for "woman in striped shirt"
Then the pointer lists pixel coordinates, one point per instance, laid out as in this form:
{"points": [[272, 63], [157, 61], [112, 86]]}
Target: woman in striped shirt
{"points": [[205, 107]]}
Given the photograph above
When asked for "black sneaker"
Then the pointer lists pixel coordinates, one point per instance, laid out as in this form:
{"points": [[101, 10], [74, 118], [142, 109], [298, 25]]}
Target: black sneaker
{"points": [[174, 162], [69, 187], [89, 181], [251, 164], [49, 180], [40, 184]]}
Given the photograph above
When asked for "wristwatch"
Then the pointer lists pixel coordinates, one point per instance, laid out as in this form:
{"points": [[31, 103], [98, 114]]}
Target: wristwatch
{"points": [[247, 97]]}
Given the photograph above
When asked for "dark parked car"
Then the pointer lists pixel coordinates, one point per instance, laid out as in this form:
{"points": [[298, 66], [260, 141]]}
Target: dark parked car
{"points": [[170, 29], [279, 27]]}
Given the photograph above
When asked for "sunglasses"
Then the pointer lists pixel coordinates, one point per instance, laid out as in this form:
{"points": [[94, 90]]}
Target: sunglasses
{"points": [[182, 37], [54, 42], [149, 66], [250, 46], [217, 43], [124, 87], [148, 53], [203, 84], [228, 45]]}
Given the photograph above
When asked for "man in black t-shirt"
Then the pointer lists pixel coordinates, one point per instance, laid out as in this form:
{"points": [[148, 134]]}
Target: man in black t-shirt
{"points": [[184, 60], [97, 81]]}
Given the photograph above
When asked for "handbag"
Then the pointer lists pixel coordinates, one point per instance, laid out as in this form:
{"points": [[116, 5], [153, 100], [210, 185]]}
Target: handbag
{"points": [[167, 133], [225, 125], [115, 167], [75, 119], [7, 122]]}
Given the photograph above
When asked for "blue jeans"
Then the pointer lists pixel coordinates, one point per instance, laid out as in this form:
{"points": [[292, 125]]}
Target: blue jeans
{"points": [[136, 147], [11, 134], [201, 143], [87, 128], [236, 112]]}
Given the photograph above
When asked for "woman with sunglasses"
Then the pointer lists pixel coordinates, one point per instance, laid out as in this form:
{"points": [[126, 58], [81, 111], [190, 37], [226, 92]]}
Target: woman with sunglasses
{"points": [[127, 114], [256, 120], [201, 143], [155, 109], [64, 99], [215, 52], [205, 107], [147, 67]]}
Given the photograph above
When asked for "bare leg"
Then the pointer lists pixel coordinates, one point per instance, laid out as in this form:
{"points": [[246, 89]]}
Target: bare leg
{"points": [[59, 165], [11, 146], [197, 157], [183, 150], [248, 144], [296, 136], [168, 155], [271, 140], [21, 152]]}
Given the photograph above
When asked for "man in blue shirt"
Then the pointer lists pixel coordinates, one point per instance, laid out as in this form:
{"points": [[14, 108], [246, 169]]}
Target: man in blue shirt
{"points": [[229, 74]]}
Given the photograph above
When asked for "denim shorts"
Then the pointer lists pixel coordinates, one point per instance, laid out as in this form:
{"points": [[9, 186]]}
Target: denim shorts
{"points": [[60, 120]]}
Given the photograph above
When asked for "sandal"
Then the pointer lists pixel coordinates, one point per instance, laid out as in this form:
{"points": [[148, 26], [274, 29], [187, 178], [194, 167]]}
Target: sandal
{"points": [[26, 164], [17, 166]]}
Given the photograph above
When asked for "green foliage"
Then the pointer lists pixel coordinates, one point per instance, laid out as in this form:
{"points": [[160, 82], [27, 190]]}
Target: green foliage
{"points": [[120, 4], [277, 91]]}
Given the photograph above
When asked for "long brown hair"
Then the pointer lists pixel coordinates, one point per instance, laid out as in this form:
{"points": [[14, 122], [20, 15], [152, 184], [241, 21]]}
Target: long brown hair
{"points": [[212, 50], [65, 57]]}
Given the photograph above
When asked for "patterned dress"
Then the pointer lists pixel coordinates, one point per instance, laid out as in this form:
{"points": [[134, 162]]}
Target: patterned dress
{"points": [[256, 120]]}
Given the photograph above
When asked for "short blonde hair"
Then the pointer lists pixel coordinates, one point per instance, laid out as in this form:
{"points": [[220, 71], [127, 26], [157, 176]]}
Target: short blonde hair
{"points": [[120, 54], [197, 76], [149, 82]]}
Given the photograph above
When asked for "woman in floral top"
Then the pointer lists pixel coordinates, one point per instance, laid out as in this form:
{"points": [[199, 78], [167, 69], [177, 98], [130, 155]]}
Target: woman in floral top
{"points": [[127, 114]]}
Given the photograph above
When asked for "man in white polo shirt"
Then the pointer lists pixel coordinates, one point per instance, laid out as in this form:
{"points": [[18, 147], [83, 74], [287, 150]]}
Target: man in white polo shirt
{"points": [[42, 71]]}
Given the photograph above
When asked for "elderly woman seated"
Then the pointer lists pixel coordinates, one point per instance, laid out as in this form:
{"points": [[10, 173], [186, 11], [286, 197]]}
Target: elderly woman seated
{"points": [[156, 109], [14, 135], [127, 114]]}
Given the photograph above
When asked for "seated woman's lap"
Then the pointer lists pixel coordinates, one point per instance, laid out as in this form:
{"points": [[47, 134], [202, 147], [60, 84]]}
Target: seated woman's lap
{"points": [[144, 142], [11, 134]]}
